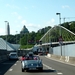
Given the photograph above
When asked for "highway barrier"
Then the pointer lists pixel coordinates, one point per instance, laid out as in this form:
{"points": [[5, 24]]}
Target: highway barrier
{"points": [[66, 59]]}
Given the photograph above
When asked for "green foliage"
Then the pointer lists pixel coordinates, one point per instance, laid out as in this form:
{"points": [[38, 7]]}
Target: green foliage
{"points": [[29, 39], [26, 46]]}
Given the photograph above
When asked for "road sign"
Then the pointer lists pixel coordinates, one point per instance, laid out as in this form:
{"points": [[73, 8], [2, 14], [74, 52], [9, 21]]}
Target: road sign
{"points": [[60, 40]]}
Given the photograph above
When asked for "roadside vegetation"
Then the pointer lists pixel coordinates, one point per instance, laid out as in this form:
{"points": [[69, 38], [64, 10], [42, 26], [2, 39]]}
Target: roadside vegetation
{"points": [[28, 40]]}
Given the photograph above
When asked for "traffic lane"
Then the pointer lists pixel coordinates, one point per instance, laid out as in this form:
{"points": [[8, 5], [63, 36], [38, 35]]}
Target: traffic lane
{"points": [[16, 70], [61, 68], [5, 66]]}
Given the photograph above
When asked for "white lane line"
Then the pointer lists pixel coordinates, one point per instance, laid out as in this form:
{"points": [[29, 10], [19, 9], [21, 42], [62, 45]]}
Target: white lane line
{"points": [[15, 64], [61, 61], [17, 61], [10, 69], [59, 73], [48, 67]]}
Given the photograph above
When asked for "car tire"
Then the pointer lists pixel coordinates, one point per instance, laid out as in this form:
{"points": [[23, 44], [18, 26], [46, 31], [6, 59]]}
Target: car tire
{"points": [[22, 70], [41, 69]]}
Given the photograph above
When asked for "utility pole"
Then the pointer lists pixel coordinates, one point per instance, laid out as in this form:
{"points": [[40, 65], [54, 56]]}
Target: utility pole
{"points": [[60, 37]]}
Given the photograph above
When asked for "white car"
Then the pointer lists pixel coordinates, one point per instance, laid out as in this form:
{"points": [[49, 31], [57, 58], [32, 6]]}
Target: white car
{"points": [[13, 55]]}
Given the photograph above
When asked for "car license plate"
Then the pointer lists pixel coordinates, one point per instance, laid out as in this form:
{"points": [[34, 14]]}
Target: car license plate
{"points": [[32, 68]]}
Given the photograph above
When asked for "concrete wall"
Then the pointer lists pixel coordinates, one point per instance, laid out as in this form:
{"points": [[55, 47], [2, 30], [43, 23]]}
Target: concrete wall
{"points": [[3, 55], [67, 55]]}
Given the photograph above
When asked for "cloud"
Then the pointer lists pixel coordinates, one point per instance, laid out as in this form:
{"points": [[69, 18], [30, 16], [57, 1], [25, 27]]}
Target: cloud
{"points": [[2, 31], [26, 7], [23, 22], [31, 26], [14, 13], [12, 6], [19, 17], [33, 6], [65, 6], [51, 22]]}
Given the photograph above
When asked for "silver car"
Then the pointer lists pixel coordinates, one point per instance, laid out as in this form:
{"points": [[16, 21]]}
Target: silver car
{"points": [[32, 63], [13, 55]]}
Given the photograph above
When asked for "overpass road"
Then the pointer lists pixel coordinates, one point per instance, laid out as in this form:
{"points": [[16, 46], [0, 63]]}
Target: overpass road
{"points": [[51, 67]]}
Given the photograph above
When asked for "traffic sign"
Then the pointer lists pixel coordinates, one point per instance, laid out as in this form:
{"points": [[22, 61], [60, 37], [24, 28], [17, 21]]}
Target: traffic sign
{"points": [[60, 40]]}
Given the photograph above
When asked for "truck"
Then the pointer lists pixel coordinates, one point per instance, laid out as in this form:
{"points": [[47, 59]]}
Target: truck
{"points": [[37, 50]]}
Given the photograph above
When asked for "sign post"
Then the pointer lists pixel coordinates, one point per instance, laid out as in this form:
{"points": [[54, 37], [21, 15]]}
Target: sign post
{"points": [[60, 42]]}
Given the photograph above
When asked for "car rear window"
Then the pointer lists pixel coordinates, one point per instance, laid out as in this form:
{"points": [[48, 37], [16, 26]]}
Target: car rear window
{"points": [[32, 58], [13, 55]]}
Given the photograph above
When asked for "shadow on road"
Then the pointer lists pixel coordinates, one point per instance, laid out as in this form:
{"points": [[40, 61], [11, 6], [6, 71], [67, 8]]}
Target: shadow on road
{"points": [[6, 65], [44, 71]]}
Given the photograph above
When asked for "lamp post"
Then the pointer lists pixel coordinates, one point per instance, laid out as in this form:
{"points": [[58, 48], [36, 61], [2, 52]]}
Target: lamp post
{"points": [[60, 37], [16, 43], [59, 22], [16, 37], [6, 33]]}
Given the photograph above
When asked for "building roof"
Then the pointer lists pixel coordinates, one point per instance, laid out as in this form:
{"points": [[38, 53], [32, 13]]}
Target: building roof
{"points": [[7, 46], [24, 30]]}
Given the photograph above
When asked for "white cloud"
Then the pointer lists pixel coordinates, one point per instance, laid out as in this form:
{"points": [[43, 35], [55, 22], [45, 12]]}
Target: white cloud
{"points": [[19, 17], [26, 7], [14, 13], [12, 6], [31, 26], [23, 22], [65, 6], [33, 6], [51, 22], [2, 31]]}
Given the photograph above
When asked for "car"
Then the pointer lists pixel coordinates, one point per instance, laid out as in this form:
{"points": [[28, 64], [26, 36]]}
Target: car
{"points": [[13, 56], [32, 63]]}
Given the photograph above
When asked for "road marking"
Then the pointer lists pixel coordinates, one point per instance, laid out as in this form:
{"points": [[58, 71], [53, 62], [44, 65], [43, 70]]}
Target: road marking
{"points": [[48, 67], [10, 69], [15, 64], [61, 61], [17, 61], [59, 73]]}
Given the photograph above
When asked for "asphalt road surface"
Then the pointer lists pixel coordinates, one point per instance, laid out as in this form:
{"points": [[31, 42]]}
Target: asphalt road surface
{"points": [[50, 67]]}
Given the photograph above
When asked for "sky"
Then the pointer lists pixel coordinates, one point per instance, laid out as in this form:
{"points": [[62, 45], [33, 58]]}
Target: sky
{"points": [[34, 14]]}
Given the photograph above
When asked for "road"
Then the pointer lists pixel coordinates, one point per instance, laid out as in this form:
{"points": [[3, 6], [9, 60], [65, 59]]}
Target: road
{"points": [[51, 67]]}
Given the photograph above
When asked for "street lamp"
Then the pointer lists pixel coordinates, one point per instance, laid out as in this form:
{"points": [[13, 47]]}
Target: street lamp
{"points": [[16, 37], [16, 43], [60, 31], [6, 33], [59, 22]]}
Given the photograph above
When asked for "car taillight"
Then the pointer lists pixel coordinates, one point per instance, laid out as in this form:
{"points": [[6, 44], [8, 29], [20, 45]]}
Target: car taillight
{"points": [[23, 58]]}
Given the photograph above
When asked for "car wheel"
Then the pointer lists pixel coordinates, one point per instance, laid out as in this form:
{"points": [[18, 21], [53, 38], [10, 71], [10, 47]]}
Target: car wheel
{"points": [[22, 70], [41, 69]]}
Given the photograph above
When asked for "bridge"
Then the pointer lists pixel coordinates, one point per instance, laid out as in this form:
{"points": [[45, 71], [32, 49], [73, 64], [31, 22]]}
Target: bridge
{"points": [[52, 43]]}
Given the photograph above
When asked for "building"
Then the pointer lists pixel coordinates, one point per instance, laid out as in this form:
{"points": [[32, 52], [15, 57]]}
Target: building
{"points": [[24, 30], [8, 29], [4, 45]]}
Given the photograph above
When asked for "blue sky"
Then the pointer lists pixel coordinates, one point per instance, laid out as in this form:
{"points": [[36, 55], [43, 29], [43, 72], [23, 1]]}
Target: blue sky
{"points": [[34, 14]]}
